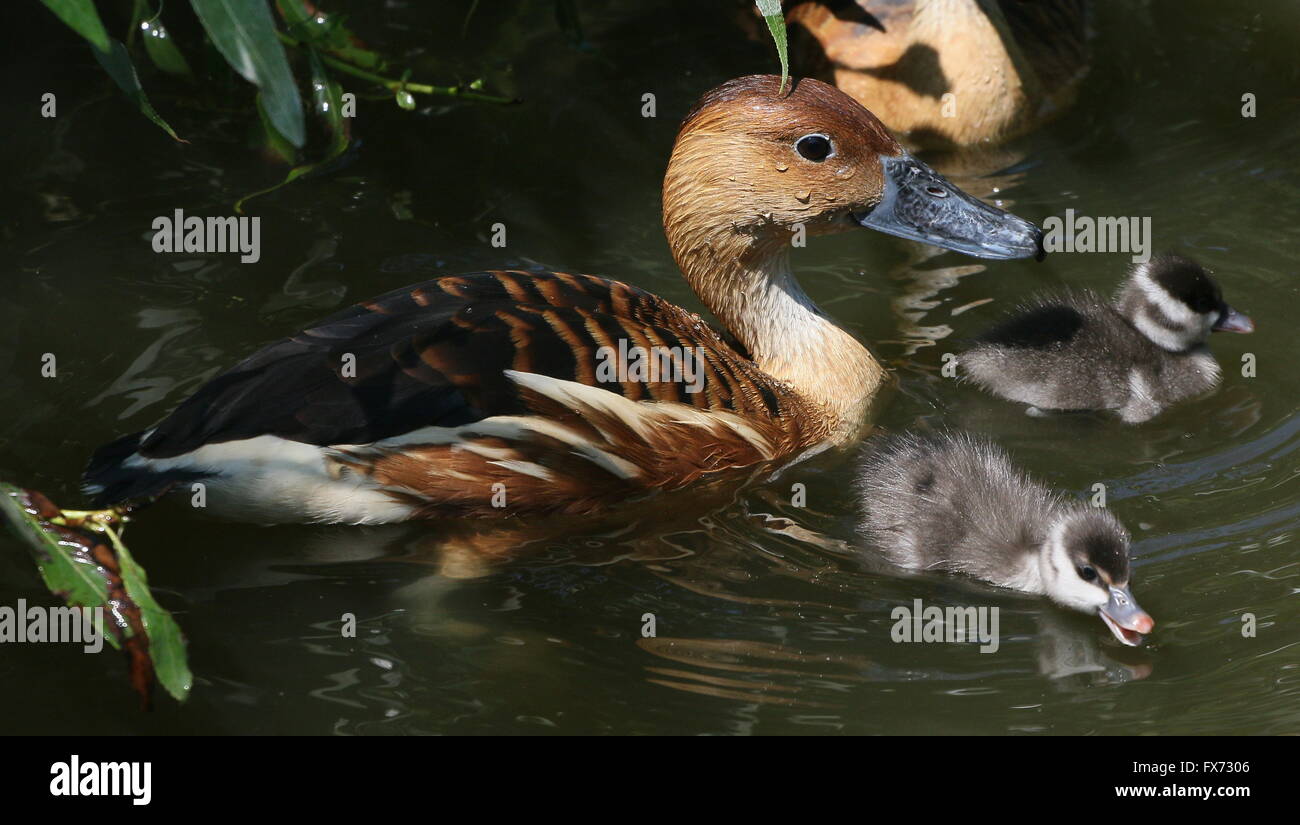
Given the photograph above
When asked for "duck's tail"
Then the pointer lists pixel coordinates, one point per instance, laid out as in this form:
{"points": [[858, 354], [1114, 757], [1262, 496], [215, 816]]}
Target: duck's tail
{"points": [[112, 477]]}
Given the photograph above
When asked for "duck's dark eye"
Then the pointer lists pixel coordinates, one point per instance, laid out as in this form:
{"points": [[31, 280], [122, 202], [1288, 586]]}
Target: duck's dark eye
{"points": [[1087, 573], [814, 147]]}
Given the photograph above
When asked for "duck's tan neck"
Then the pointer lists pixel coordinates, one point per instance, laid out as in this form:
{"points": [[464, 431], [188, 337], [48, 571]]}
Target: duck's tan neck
{"points": [[750, 288]]}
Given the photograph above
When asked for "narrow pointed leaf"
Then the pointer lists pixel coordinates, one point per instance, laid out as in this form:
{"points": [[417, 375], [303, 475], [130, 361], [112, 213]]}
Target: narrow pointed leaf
{"points": [[327, 100], [162, 49], [771, 11], [244, 32], [275, 144], [118, 64], [81, 17]]}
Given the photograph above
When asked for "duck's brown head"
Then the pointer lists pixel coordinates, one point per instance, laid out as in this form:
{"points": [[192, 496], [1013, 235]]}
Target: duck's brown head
{"points": [[751, 162]]}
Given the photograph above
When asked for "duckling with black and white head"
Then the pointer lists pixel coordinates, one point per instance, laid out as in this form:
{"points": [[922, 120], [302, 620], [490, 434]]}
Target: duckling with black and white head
{"points": [[1137, 354]]}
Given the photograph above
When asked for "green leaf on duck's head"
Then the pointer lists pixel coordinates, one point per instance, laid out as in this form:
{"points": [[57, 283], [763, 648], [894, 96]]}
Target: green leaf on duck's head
{"points": [[771, 11]]}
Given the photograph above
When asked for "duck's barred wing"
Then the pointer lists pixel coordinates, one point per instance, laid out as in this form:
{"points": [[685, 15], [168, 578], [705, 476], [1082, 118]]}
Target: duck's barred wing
{"points": [[448, 352]]}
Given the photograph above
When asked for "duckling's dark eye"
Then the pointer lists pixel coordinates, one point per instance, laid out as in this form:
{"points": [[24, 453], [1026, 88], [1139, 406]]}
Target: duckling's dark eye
{"points": [[1087, 573], [814, 147]]}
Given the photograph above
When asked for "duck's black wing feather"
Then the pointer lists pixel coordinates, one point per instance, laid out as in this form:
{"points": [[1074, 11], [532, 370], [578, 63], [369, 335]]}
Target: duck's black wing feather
{"points": [[435, 354]]}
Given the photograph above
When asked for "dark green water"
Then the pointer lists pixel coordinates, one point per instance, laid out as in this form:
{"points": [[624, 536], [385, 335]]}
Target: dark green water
{"points": [[759, 630]]}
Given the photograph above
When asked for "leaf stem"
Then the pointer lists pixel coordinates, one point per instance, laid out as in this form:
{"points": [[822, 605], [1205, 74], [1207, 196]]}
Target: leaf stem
{"points": [[93, 519], [399, 85]]}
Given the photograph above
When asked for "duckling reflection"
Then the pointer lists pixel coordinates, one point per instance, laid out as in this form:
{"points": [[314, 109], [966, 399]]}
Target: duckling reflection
{"points": [[1072, 657], [785, 675]]}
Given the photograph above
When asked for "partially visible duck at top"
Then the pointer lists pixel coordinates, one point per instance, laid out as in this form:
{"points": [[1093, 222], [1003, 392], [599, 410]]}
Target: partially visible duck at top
{"points": [[1008, 65], [1136, 354], [483, 394]]}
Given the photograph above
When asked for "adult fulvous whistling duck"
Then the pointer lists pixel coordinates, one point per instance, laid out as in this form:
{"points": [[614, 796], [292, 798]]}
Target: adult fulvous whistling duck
{"points": [[1009, 65], [434, 399]]}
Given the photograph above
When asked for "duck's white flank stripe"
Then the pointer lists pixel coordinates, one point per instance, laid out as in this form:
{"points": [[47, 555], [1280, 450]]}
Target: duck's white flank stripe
{"points": [[270, 479], [641, 416]]}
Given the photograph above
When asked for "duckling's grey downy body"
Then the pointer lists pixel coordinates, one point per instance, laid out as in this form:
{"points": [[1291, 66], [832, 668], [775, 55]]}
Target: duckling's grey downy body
{"points": [[1137, 354], [950, 502]]}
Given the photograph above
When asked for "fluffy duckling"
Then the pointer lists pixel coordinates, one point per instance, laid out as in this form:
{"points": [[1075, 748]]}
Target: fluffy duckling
{"points": [[1137, 354], [950, 502]]}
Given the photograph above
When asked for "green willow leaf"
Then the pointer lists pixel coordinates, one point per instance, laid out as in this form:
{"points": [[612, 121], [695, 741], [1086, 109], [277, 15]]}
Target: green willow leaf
{"points": [[327, 100], [118, 65], [771, 11], [244, 32], [81, 17], [158, 43], [274, 142]]}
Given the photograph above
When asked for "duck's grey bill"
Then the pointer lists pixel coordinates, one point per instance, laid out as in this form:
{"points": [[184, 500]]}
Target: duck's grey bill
{"points": [[922, 205]]}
